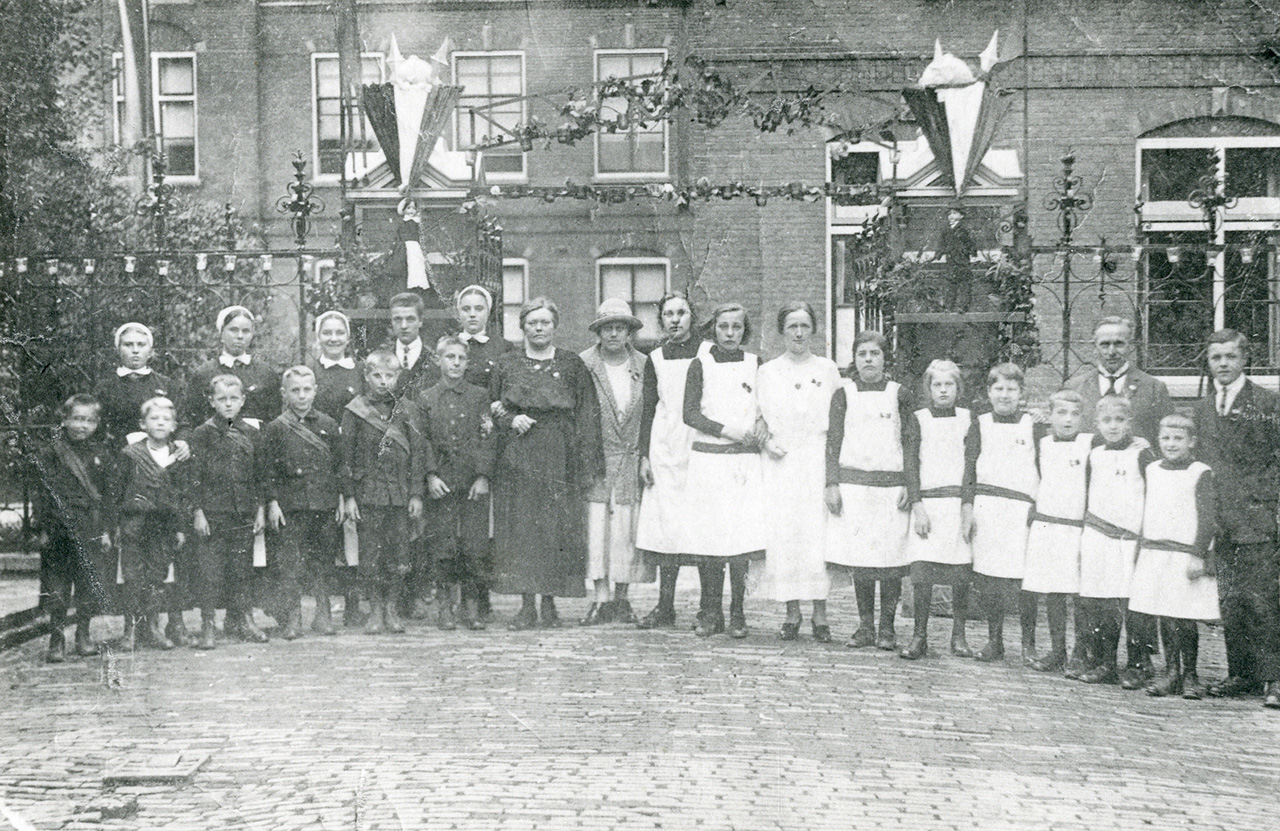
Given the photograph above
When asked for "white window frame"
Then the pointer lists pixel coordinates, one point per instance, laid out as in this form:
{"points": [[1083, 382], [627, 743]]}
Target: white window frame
{"points": [[523, 265], [157, 99], [1249, 214], [459, 114], [631, 176], [333, 178], [601, 262]]}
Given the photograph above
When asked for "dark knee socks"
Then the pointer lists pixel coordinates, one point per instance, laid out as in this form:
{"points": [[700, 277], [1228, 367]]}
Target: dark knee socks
{"points": [[959, 609], [1056, 610], [737, 587], [865, 590], [922, 598], [890, 594], [667, 576], [1028, 613]]}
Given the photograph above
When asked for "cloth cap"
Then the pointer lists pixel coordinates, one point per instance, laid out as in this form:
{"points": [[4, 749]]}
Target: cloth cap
{"points": [[615, 310]]}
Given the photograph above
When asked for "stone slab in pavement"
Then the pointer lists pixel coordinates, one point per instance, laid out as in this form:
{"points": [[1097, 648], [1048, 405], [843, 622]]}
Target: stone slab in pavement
{"points": [[613, 728]]}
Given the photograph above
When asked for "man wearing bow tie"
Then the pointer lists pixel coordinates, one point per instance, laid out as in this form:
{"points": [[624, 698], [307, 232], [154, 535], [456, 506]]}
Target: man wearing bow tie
{"points": [[1114, 373], [1239, 427]]}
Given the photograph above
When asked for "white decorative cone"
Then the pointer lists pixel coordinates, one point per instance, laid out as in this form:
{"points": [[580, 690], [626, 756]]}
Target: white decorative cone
{"points": [[963, 105]]}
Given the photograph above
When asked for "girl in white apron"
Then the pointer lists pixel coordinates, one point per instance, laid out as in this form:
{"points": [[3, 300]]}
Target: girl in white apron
{"points": [[1109, 542], [866, 495], [1175, 577], [942, 507], [725, 474], [1053, 544], [1006, 490], [795, 396], [664, 455]]}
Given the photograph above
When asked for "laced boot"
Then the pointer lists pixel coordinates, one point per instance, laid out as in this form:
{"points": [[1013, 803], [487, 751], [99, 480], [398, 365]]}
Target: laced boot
{"points": [[1169, 681], [890, 593], [445, 619], [322, 623], [919, 646], [150, 635], [249, 630], [994, 650]]}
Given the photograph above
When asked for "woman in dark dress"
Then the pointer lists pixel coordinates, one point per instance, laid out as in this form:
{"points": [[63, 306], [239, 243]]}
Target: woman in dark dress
{"points": [[548, 452], [131, 383], [236, 326], [339, 378], [483, 350]]}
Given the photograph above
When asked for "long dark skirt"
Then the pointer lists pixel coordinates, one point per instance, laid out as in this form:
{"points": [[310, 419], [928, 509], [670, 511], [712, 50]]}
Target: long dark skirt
{"points": [[539, 515]]}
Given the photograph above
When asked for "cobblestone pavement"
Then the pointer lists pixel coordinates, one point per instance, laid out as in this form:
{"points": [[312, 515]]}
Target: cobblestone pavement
{"points": [[612, 728]]}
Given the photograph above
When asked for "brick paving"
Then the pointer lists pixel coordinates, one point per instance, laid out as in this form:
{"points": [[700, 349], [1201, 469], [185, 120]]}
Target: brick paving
{"points": [[611, 728]]}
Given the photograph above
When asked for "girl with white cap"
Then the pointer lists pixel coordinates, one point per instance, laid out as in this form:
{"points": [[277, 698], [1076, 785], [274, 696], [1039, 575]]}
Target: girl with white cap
{"points": [[122, 391], [236, 326]]}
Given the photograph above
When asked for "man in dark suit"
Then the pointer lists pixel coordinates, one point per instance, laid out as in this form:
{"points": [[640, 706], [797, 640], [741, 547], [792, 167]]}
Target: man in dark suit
{"points": [[1113, 373], [1239, 427], [418, 370]]}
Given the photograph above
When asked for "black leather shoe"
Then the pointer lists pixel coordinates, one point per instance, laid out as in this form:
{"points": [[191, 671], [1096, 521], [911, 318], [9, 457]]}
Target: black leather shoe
{"points": [[738, 627], [659, 618], [960, 648], [1165, 684], [990, 653], [1193, 689], [886, 639], [549, 617], [1232, 686], [250, 632], [1100, 675], [594, 616], [526, 618], [821, 632], [57, 651], [709, 625], [1135, 677], [85, 645], [208, 636], [622, 612], [917, 649], [1271, 699], [790, 630], [1052, 662], [863, 637]]}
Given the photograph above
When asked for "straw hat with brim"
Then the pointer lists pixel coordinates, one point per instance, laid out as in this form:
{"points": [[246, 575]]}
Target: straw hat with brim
{"points": [[615, 310]]}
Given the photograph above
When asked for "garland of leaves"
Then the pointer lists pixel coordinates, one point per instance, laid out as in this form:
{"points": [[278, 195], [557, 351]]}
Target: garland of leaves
{"points": [[682, 195]]}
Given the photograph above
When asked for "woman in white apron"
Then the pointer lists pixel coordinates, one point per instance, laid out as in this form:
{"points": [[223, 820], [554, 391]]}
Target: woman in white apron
{"points": [[795, 396], [942, 507], [866, 495], [725, 473], [664, 455]]}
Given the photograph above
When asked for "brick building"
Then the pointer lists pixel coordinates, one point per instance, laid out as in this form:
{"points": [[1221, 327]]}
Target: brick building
{"points": [[1139, 90]]}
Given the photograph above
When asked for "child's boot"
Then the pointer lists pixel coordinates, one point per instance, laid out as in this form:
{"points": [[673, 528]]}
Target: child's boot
{"points": [[922, 596], [176, 629], [57, 651], [373, 626], [890, 594], [391, 606], [865, 634], [1189, 641], [1082, 657], [959, 616], [150, 635], [1106, 640], [737, 597], [471, 611], [351, 614], [1168, 682], [711, 613], [208, 631], [445, 619], [1028, 611], [293, 622], [249, 630], [85, 646], [1056, 607], [323, 621], [994, 650]]}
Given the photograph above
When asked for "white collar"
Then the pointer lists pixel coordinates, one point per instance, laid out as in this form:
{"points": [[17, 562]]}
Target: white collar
{"points": [[480, 337], [1123, 371], [226, 360], [346, 362], [124, 371], [411, 348], [1232, 389]]}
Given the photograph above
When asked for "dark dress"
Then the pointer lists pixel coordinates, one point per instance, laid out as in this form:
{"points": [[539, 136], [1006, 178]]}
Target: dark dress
{"points": [[261, 391], [335, 386], [541, 478], [482, 358], [122, 399]]}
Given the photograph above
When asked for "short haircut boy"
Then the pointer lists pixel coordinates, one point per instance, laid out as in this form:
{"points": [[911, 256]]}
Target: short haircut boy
{"points": [[1006, 372], [1065, 397], [1178, 421], [298, 371], [381, 359], [80, 399], [408, 300], [451, 340], [157, 403], [1114, 404], [226, 379]]}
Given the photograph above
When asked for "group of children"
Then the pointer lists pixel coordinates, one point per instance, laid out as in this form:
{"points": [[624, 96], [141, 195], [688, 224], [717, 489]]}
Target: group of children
{"points": [[1043, 511]]}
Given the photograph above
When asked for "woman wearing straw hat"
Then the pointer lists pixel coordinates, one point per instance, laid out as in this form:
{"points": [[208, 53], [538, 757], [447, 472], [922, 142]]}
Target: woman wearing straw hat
{"points": [[617, 370]]}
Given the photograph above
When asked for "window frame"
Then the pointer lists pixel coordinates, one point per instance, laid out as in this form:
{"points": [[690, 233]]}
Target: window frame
{"points": [[335, 178], [631, 176], [157, 99], [639, 260], [458, 113], [523, 264]]}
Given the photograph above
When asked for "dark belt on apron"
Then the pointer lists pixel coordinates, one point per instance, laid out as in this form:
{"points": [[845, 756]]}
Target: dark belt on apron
{"points": [[872, 478], [1169, 545], [1108, 529], [711, 447], [1036, 516], [1003, 493], [944, 492]]}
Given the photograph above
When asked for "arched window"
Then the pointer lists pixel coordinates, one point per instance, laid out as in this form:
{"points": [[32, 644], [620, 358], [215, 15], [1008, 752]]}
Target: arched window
{"points": [[1218, 274]]}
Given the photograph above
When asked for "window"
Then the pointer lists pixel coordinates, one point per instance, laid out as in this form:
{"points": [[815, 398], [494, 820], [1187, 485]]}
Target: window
{"points": [[641, 281], [515, 277], [173, 91], [491, 107], [637, 148], [1211, 279], [327, 109]]}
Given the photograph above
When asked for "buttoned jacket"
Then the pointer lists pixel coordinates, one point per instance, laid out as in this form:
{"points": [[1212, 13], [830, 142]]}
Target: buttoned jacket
{"points": [[1243, 448], [620, 430], [1148, 395]]}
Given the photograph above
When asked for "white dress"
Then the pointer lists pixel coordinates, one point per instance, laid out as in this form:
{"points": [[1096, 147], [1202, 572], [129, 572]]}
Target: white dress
{"points": [[1112, 521], [795, 399], [1161, 585], [1053, 544], [728, 519], [941, 476], [871, 531], [664, 508], [1006, 491]]}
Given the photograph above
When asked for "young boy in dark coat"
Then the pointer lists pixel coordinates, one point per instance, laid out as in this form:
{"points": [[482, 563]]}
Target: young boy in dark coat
{"points": [[151, 506], [68, 514], [380, 488], [226, 497], [300, 476], [458, 454]]}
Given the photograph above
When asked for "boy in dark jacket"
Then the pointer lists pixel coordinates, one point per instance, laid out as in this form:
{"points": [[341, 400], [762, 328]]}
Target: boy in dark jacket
{"points": [[68, 514], [300, 475]]}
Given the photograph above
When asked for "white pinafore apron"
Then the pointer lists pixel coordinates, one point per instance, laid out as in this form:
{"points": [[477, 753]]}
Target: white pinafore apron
{"points": [[1161, 585], [1007, 481], [726, 484], [1112, 521], [1053, 545], [871, 531], [664, 508], [941, 475]]}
